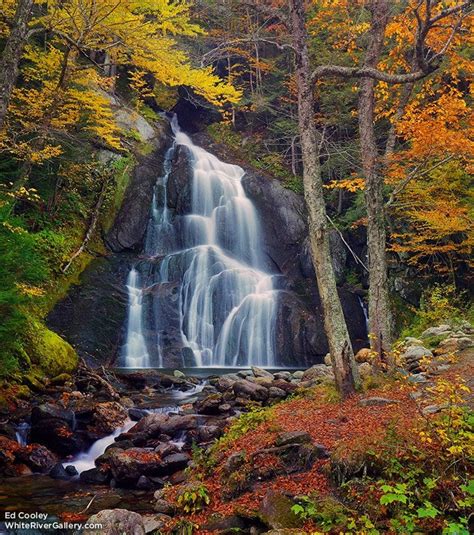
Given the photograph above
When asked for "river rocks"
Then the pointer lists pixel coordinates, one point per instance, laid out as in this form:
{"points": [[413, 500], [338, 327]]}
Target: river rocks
{"points": [[116, 522], [260, 372], [95, 476], [318, 372], [441, 330], [126, 466], [250, 390], [174, 463], [37, 457], [107, 417], [57, 434], [58, 472], [49, 411], [210, 404]]}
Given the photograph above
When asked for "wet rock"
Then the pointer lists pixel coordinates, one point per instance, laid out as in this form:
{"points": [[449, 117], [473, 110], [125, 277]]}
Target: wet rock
{"points": [[298, 375], [327, 360], [225, 408], [126, 466], [38, 458], [95, 476], [166, 448], [209, 405], [144, 483], [108, 416], [225, 383], [227, 525], [179, 373], [59, 472], [137, 414], [48, 411], [174, 462], [275, 510], [251, 390], [58, 436], [71, 471], [116, 522]]}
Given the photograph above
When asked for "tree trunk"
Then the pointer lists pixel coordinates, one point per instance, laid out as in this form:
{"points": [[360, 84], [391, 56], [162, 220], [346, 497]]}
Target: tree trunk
{"points": [[342, 356], [12, 53], [379, 304]]}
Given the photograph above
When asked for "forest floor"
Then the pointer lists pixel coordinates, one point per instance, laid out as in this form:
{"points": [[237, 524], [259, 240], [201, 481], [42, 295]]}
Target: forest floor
{"points": [[395, 421]]}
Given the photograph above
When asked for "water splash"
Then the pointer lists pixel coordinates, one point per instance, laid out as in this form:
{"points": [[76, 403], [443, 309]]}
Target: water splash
{"points": [[224, 299]]}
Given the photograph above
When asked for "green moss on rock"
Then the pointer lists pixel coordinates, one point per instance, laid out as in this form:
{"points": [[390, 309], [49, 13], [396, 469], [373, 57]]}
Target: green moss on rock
{"points": [[49, 351]]}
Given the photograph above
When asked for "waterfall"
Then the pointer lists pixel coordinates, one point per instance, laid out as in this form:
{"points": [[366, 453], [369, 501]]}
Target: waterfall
{"points": [[207, 267]]}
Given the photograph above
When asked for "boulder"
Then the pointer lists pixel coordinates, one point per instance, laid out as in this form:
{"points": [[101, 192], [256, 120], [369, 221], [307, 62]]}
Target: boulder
{"points": [[209, 404], [174, 462], [250, 390], [164, 507], [441, 330], [293, 437], [260, 372], [38, 458], [116, 522], [126, 466], [95, 476], [364, 355], [275, 392], [276, 511], [365, 370], [318, 372], [413, 357], [59, 472], [48, 411], [108, 416], [453, 345], [57, 436]]}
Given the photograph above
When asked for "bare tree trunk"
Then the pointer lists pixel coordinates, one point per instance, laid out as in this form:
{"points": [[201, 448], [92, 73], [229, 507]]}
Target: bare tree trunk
{"points": [[342, 356], [12, 53], [379, 303]]}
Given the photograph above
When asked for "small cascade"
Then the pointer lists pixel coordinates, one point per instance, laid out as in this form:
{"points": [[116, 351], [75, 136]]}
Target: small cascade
{"points": [[22, 433], [204, 268], [136, 353], [363, 306], [86, 460]]}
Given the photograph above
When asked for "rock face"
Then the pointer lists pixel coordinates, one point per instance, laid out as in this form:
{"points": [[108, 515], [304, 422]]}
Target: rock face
{"points": [[129, 227], [300, 339]]}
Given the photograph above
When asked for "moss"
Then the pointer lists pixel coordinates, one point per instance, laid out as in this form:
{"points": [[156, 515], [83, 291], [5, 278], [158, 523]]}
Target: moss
{"points": [[49, 351], [123, 171]]}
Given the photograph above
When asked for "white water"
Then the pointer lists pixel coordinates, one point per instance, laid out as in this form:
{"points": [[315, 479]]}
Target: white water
{"points": [[22, 432], [85, 461], [226, 299]]}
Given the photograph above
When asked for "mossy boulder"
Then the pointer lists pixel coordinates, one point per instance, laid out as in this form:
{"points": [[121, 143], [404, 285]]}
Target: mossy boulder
{"points": [[48, 351]]}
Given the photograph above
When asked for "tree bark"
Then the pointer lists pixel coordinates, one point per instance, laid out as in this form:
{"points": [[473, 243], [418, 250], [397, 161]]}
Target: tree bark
{"points": [[11, 55], [342, 357], [379, 302]]}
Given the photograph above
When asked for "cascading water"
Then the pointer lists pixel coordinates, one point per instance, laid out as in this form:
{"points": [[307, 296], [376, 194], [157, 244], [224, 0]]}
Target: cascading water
{"points": [[207, 266]]}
